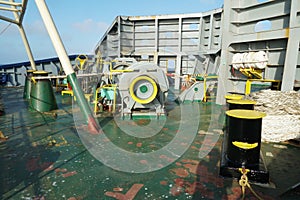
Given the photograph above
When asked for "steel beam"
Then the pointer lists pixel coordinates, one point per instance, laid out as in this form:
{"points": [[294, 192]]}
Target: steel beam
{"points": [[10, 3], [24, 37], [10, 9], [66, 64], [27, 46], [292, 52], [9, 20], [24, 6]]}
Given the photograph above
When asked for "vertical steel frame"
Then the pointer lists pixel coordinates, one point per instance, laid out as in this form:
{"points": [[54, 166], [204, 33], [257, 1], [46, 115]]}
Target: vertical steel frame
{"points": [[18, 10], [67, 67], [271, 26], [163, 37]]}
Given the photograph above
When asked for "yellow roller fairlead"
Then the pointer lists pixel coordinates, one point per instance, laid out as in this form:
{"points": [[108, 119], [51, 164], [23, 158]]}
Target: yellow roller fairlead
{"points": [[137, 99]]}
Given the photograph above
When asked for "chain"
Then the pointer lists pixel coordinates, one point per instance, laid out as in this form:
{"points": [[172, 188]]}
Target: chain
{"points": [[243, 182]]}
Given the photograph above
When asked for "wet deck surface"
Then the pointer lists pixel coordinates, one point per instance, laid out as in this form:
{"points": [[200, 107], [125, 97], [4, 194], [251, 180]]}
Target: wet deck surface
{"points": [[47, 156]]}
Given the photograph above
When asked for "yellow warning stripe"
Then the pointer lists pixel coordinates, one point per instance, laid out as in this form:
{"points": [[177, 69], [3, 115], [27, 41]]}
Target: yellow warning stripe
{"points": [[245, 145]]}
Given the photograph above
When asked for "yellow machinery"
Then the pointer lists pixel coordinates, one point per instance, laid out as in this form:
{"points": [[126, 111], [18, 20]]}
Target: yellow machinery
{"points": [[251, 72], [143, 89], [252, 65], [199, 88], [108, 91], [133, 88], [249, 82]]}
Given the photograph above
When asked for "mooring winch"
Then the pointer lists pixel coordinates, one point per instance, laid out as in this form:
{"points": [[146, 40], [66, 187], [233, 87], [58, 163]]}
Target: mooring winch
{"points": [[143, 89]]}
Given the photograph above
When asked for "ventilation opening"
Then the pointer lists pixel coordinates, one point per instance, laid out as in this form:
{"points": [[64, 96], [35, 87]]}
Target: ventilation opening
{"points": [[261, 1], [145, 28], [264, 25], [168, 34], [194, 27]]}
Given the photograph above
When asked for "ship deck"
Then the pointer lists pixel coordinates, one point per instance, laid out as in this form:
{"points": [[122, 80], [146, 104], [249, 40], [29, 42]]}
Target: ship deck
{"points": [[47, 156]]}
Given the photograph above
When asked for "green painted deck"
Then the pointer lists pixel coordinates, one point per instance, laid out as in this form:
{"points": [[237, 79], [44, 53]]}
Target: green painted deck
{"points": [[45, 156]]}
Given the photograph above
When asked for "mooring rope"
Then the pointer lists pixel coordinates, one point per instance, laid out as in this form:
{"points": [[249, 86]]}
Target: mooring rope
{"points": [[5, 28], [243, 182]]}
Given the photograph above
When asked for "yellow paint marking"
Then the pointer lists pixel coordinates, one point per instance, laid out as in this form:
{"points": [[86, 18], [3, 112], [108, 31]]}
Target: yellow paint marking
{"points": [[245, 145]]}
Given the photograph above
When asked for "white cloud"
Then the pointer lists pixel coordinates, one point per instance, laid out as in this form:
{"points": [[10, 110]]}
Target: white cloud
{"points": [[35, 28], [8, 29], [89, 25], [211, 3]]}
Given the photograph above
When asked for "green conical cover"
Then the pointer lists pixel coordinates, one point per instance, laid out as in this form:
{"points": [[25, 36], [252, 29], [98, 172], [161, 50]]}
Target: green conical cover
{"points": [[27, 86], [41, 96], [27, 89]]}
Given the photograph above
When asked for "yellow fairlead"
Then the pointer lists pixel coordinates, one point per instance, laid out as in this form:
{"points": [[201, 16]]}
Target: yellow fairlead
{"points": [[82, 60]]}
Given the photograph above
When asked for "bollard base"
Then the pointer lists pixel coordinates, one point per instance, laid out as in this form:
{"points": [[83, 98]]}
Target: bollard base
{"points": [[241, 146], [258, 175]]}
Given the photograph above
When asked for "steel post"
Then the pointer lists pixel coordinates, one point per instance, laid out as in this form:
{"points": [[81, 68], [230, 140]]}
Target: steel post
{"points": [[66, 64], [22, 32], [27, 47]]}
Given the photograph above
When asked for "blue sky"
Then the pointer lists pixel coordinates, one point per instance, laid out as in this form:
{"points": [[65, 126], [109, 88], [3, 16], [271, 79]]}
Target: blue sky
{"points": [[81, 23]]}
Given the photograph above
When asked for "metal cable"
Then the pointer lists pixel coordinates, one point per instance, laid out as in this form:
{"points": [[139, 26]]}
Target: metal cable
{"points": [[5, 29]]}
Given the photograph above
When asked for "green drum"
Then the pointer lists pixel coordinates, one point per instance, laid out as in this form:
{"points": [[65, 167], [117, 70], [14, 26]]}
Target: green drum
{"points": [[42, 97], [27, 87]]}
